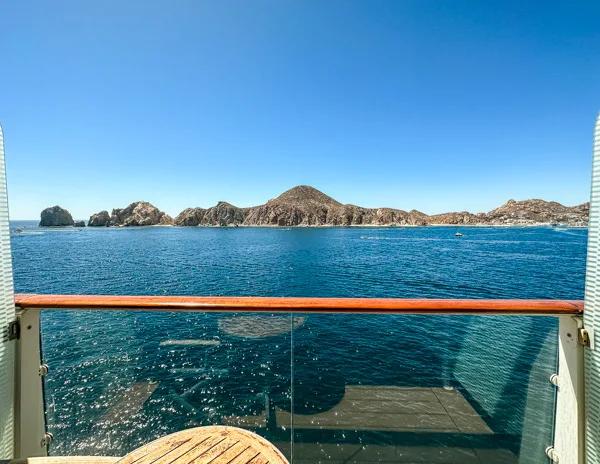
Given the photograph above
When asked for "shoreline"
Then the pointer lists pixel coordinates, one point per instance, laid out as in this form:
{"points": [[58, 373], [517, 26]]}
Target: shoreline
{"points": [[325, 226]]}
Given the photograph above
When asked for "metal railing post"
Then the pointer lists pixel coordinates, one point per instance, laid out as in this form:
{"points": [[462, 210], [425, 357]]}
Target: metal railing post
{"points": [[569, 429], [30, 427]]}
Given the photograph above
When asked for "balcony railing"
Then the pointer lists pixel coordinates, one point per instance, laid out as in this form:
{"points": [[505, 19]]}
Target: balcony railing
{"points": [[325, 379]]}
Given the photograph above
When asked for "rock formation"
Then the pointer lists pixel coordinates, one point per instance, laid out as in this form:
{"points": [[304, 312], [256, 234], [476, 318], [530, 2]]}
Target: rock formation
{"points": [[55, 217], [463, 217], [101, 219], [79, 224], [307, 206], [224, 214], [190, 217], [536, 211], [139, 213], [302, 205]]}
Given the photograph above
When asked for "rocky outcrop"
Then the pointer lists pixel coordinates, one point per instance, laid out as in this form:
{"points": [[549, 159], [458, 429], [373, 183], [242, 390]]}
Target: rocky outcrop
{"points": [[55, 217], [224, 214], [306, 206], [462, 218], [190, 217], [536, 211], [79, 224], [302, 205], [101, 219], [140, 213]]}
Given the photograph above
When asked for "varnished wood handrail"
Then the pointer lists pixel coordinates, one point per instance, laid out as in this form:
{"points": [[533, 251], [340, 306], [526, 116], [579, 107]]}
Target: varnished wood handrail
{"points": [[301, 305]]}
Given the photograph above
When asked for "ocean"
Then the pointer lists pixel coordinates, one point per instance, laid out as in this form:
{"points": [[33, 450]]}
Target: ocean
{"points": [[327, 388]]}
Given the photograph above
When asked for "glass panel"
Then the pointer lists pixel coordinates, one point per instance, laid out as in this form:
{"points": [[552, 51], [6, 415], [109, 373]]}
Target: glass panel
{"points": [[362, 388], [423, 389], [120, 379]]}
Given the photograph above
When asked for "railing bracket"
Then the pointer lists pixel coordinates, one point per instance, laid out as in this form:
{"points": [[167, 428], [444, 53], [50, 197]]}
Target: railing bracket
{"points": [[585, 337], [43, 370], [46, 440], [552, 454], [14, 330]]}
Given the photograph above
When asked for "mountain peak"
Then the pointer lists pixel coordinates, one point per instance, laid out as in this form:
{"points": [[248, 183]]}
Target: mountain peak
{"points": [[306, 194]]}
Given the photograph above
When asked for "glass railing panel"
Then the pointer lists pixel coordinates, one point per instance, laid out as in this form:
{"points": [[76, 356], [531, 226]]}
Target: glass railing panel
{"points": [[118, 379], [422, 389]]}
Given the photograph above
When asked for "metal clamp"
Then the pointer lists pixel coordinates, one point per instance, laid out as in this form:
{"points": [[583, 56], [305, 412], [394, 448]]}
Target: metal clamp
{"points": [[43, 370], [14, 330], [46, 440], [552, 454], [585, 337], [554, 380]]}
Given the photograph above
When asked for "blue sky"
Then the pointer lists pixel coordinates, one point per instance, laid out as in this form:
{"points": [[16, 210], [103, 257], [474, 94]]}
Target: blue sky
{"points": [[433, 105]]}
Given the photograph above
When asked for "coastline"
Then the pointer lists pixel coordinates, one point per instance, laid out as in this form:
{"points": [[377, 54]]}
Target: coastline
{"points": [[323, 226]]}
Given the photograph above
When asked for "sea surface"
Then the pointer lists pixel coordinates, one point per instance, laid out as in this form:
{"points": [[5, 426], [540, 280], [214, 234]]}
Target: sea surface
{"points": [[118, 379]]}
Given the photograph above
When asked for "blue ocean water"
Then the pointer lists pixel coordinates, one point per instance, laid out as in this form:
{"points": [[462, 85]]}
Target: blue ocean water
{"points": [[425, 262], [256, 369]]}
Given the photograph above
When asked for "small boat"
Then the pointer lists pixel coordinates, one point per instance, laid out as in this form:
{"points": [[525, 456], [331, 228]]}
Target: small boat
{"points": [[458, 234]]}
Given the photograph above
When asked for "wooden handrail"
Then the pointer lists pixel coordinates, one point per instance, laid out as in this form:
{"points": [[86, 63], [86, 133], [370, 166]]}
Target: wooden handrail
{"points": [[301, 305]]}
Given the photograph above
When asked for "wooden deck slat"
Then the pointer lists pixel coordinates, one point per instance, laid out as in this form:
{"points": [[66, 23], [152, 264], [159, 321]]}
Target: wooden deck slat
{"points": [[151, 455], [216, 451], [195, 453], [233, 452], [207, 445], [180, 451], [245, 457], [259, 460]]}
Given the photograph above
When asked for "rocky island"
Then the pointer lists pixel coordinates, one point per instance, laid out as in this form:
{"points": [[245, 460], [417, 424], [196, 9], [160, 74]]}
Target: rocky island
{"points": [[306, 206], [55, 216]]}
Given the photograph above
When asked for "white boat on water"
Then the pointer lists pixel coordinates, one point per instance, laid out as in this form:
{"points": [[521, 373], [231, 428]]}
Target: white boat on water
{"points": [[458, 234]]}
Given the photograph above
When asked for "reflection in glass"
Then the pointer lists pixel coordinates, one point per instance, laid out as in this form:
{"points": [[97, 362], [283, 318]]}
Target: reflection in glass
{"points": [[346, 388]]}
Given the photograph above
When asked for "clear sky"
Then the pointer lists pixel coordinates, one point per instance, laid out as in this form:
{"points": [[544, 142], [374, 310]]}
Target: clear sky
{"points": [[426, 104]]}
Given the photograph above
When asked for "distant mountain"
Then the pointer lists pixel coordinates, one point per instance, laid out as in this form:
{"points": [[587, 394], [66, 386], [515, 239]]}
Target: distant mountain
{"points": [[306, 206]]}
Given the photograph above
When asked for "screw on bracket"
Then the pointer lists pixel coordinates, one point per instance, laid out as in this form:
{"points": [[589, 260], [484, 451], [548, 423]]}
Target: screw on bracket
{"points": [[14, 330], [46, 440], [585, 337], [552, 454]]}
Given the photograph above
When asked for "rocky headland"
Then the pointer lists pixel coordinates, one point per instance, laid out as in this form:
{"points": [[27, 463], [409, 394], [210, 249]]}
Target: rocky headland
{"points": [[139, 213], [101, 219], [306, 206]]}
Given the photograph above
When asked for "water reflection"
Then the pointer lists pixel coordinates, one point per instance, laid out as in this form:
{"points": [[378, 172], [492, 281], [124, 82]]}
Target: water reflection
{"points": [[345, 388]]}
